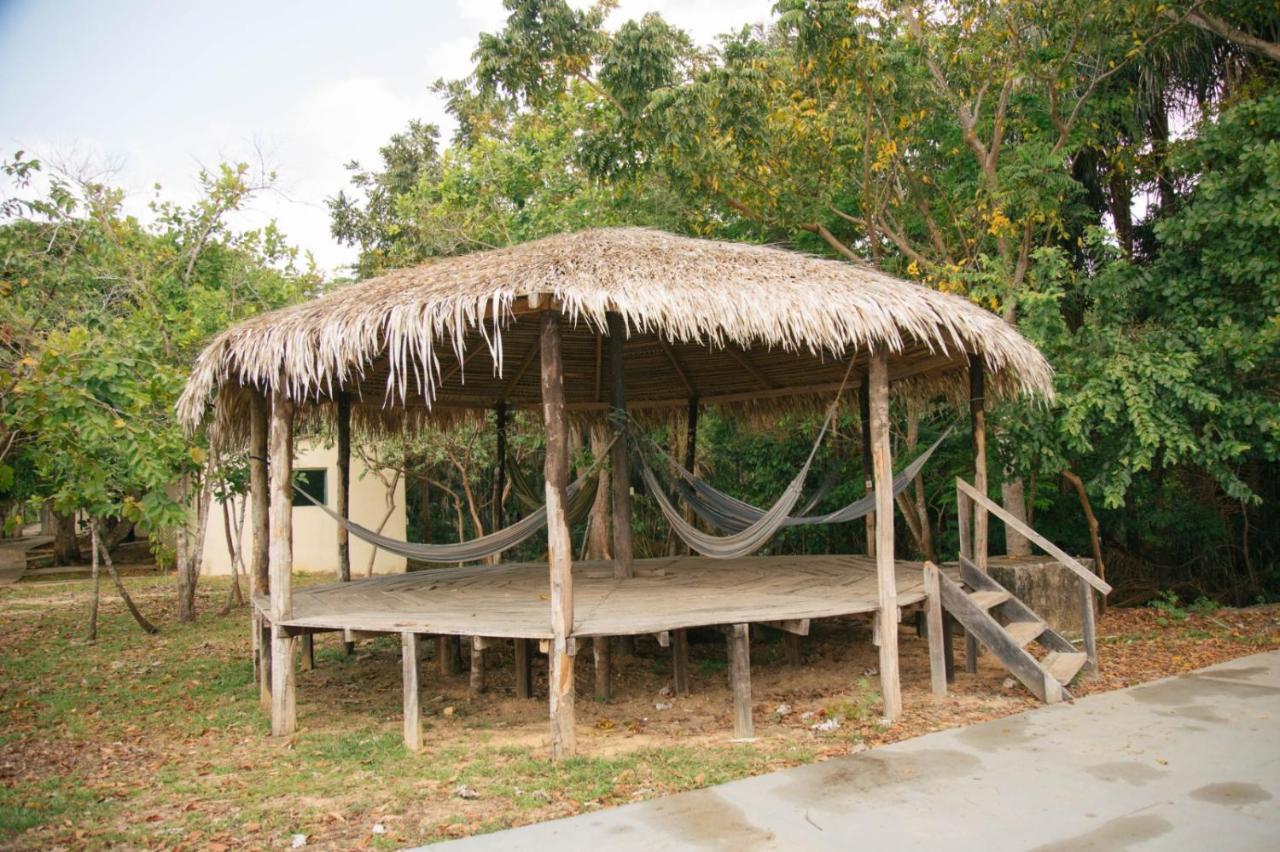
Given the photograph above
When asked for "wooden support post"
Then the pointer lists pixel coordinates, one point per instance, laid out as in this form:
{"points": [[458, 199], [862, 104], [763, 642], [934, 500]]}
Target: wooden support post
{"points": [[308, 652], [524, 669], [447, 651], [792, 646], [283, 708], [978, 545], [477, 666], [559, 547], [343, 495], [264, 669], [620, 461], [600, 655], [410, 656], [948, 645], [1088, 630], [978, 418], [936, 630], [500, 474], [864, 409], [259, 496], [680, 662], [886, 571], [740, 680]]}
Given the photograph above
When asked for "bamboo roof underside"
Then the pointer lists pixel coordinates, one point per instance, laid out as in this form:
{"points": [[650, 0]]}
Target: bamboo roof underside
{"points": [[741, 326]]}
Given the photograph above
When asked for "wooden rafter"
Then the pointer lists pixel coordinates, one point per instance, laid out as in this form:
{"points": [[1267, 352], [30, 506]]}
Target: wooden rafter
{"points": [[675, 365], [522, 369], [745, 363]]}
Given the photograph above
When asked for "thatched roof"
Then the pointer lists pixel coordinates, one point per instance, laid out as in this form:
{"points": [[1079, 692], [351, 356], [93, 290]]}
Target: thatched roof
{"points": [[729, 323]]}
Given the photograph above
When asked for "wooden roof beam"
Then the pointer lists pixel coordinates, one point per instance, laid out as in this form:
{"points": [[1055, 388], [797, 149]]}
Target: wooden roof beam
{"points": [[745, 363]]}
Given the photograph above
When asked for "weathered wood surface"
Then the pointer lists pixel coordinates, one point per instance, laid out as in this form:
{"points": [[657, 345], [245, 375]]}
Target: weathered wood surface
{"points": [[477, 683], [410, 659], [936, 628], [667, 593], [739, 638], [680, 662], [259, 496], [1067, 561], [559, 547], [887, 586], [619, 459], [980, 624], [283, 706], [524, 669], [600, 653]]}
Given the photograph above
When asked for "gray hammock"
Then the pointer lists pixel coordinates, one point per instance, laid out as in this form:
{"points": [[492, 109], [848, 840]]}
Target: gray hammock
{"points": [[747, 540], [732, 515], [464, 551]]}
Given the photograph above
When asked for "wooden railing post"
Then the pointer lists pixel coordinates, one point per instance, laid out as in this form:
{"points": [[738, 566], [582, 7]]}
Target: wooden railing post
{"points": [[936, 629], [1088, 629]]}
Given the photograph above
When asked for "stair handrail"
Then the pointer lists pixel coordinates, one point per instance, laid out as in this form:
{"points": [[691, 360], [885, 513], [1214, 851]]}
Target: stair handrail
{"points": [[1043, 543]]}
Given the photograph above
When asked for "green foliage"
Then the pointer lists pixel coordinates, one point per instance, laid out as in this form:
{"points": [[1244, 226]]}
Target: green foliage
{"points": [[989, 150], [101, 318]]}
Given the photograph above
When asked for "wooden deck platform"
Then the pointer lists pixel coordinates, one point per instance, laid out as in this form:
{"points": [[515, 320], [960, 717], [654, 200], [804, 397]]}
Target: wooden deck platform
{"points": [[512, 600]]}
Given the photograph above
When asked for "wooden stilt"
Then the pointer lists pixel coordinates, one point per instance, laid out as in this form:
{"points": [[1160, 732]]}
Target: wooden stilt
{"points": [[524, 669], [948, 645], [446, 653], [264, 659], [935, 631], [740, 680], [410, 657], [477, 666], [793, 649], [600, 654], [308, 652], [559, 547], [343, 496], [283, 708], [886, 573], [680, 662]]}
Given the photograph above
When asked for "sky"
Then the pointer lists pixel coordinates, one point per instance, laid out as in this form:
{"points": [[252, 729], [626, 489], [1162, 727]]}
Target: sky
{"points": [[153, 91]]}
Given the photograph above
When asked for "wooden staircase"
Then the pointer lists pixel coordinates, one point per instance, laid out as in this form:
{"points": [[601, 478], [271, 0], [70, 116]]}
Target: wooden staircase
{"points": [[1006, 626]]}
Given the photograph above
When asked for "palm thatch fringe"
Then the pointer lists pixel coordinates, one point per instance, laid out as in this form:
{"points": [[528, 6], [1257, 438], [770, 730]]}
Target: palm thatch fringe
{"points": [[393, 328]]}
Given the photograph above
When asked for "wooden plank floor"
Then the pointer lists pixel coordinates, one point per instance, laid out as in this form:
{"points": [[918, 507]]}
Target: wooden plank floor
{"points": [[512, 600]]}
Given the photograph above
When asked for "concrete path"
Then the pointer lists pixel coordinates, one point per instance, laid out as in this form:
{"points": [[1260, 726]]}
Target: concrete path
{"points": [[1191, 762]]}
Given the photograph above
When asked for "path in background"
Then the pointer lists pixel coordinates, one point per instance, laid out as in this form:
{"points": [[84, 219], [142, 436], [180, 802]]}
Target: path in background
{"points": [[1190, 762]]}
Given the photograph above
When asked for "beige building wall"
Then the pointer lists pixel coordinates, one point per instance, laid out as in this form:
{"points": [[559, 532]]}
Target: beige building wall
{"points": [[315, 534]]}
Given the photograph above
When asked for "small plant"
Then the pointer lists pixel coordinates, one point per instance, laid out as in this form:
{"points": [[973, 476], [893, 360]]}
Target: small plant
{"points": [[1167, 602], [1204, 606], [710, 667]]}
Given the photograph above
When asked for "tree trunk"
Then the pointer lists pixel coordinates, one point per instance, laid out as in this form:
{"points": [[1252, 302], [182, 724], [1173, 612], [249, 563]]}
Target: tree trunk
{"points": [[598, 531], [147, 626], [97, 587], [1015, 503], [66, 550]]}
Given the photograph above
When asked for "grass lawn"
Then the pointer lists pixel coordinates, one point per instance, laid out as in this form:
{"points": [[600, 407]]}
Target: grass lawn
{"points": [[159, 741]]}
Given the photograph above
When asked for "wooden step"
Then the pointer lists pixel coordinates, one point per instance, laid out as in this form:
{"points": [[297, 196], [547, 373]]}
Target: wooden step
{"points": [[1063, 666], [988, 599], [1025, 632]]}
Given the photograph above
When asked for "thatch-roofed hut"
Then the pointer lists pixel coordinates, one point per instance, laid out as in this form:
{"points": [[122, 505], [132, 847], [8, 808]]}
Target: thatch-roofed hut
{"points": [[578, 325]]}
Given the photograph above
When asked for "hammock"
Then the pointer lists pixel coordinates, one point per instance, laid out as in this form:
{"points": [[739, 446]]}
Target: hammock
{"points": [[579, 503], [731, 514], [750, 538], [464, 551]]}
